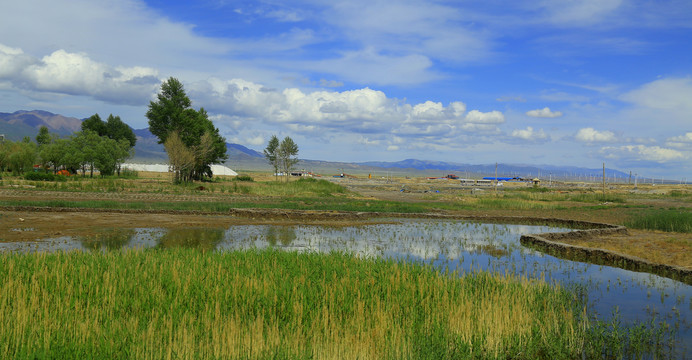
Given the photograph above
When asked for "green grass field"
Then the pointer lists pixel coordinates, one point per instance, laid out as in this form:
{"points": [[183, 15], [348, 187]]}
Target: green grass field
{"points": [[186, 303]]}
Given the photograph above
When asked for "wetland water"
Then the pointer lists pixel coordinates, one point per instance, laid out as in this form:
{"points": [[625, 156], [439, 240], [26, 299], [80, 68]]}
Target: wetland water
{"points": [[456, 245]]}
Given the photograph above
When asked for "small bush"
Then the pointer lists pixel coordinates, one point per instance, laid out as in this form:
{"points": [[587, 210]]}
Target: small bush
{"points": [[247, 178], [39, 176]]}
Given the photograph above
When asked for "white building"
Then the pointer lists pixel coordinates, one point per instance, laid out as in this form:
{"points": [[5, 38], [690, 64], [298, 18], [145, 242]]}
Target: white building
{"points": [[215, 169]]}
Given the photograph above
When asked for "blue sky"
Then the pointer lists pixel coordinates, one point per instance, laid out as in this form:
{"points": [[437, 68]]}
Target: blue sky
{"points": [[526, 82]]}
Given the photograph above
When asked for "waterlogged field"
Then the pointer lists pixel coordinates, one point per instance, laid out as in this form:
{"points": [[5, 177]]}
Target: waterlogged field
{"points": [[628, 304]]}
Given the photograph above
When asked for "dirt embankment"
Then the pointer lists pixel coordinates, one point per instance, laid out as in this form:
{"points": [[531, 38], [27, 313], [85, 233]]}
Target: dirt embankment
{"points": [[557, 244]]}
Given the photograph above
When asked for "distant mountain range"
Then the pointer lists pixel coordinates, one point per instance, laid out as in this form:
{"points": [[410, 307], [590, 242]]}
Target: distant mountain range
{"points": [[503, 169], [19, 124]]}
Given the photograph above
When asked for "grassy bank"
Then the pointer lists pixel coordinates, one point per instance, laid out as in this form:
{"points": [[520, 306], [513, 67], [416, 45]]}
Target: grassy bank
{"points": [[268, 304]]}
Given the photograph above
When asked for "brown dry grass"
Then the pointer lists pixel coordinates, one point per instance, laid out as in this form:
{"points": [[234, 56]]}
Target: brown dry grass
{"points": [[654, 246]]}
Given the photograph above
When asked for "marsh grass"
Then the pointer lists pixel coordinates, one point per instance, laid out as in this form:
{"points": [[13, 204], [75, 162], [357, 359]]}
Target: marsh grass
{"points": [[663, 220], [330, 203], [183, 303], [588, 197]]}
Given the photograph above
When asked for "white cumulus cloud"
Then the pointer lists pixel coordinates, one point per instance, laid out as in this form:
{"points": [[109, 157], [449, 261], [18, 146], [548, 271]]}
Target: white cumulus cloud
{"points": [[492, 117], [529, 134], [76, 74], [544, 113], [590, 135]]}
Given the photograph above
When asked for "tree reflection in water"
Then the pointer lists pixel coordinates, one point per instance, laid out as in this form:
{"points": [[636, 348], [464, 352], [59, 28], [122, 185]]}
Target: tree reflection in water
{"points": [[197, 238], [111, 239], [282, 234]]}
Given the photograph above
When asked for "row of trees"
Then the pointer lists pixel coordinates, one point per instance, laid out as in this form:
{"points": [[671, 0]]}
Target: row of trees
{"points": [[281, 155], [101, 146], [190, 139]]}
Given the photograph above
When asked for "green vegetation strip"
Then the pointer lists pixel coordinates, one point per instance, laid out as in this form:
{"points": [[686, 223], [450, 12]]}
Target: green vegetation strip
{"points": [[185, 303], [267, 203], [663, 220]]}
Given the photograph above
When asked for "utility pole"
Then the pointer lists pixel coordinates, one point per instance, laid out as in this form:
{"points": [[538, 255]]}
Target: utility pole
{"points": [[604, 197], [495, 179]]}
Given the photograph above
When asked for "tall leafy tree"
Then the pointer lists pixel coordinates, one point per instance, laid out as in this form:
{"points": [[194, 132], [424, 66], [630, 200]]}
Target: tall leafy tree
{"points": [[271, 153], [171, 113], [95, 124], [22, 155], [287, 152], [54, 154], [84, 150], [110, 154], [43, 137], [5, 151], [117, 130]]}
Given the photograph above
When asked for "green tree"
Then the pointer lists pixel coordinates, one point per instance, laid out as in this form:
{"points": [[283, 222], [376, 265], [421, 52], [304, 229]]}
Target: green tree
{"points": [[5, 151], [110, 154], [54, 153], [117, 130], [113, 128], [173, 113], [95, 124], [22, 155], [43, 137], [83, 150], [168, 113], [271, 153], [287, 152]]}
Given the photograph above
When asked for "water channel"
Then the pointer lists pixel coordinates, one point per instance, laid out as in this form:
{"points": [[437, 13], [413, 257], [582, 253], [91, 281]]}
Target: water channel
{"points": [[456, 245]]}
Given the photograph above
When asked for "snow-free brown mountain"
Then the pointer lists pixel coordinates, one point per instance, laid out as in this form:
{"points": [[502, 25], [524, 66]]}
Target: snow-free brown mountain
{"points": [[23, 123]]}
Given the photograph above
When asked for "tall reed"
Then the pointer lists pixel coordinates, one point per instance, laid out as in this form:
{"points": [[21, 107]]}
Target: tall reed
{"points": [[663, 220], [185, 303]]}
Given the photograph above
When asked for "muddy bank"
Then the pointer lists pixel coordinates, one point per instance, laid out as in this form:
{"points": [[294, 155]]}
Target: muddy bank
{"points": [[550, 243], [317, 215]]}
